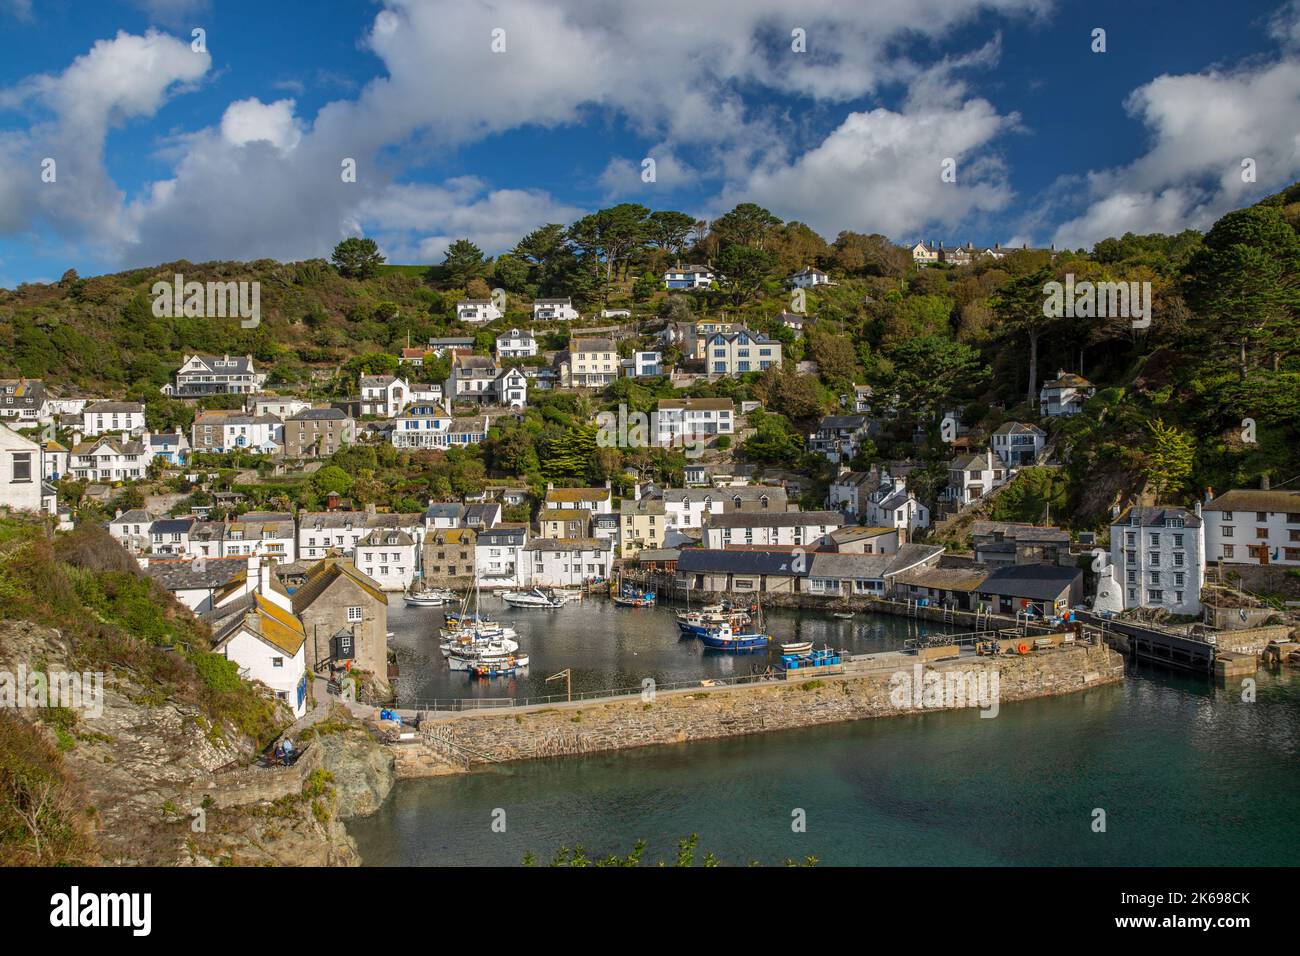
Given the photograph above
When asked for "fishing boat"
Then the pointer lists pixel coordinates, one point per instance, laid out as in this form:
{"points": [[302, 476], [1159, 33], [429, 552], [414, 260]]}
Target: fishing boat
{"points": [[795, 648], [725, 638], [498, 667], [537, 597], [464, 656], [625, 595], [696, 623]]}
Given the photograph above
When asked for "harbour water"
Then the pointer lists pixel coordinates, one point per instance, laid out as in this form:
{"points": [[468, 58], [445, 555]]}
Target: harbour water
{"points": [[608, 647], [1185, 773]]}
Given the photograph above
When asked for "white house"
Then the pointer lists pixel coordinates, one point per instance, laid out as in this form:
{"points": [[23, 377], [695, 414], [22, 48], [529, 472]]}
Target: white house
{"points": [[223, 431], [422, 426], [426, 393], [554, 310], [516, 343], [1018, 444], [838, 437], [323, 532], [971, 477], [1253, 526], [475, 311], [689, 277], [789, 529], [115, 417], [54, 460], [389, 556], [281, 406], [499, 558], [1157, 558], [616, 313], [109, 459], [171, 536], [269, 644], [679, 420], [267, 534], [690, 509], [479, 378], [809, 278], [644, 365], [567, 562], [384, 395], [893, 505], [132, 530], [215, 375], [23, 401], [1065, 394]]}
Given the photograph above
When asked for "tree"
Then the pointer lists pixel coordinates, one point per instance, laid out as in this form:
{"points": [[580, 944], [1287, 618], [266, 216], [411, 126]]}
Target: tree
{"points": [[357, 258], [331, 478], [611, 235], [926, 373], [746, 225], [743, 270], [1245, 283], [1019, 305], [668, 231], [464, 261], [1168, 457]]}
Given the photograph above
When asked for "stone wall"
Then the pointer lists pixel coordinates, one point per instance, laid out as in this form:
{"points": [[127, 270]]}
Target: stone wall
{"points": [[256, 784], [1252, 640], [681, 716]]}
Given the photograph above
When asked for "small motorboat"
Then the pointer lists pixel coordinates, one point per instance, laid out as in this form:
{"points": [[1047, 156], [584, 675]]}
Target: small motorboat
{"points": [[843, 615], [464, 657], [536, 597], [797, 647], [629, 597]]}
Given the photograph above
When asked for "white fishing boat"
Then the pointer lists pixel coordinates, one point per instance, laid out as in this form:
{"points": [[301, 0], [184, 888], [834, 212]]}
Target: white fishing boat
{"points": [[797, 647], [464, 657], [536, 597]]}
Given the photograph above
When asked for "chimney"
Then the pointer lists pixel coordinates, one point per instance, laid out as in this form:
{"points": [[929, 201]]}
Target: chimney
{"points": [[1264, 483], [370, 508], [1198, 509], [251, 576], [118, 514]]}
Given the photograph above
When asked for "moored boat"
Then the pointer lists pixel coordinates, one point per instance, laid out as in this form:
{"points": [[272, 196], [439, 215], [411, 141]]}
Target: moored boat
{"points": [[536, 597], [725, 638], [429, 597], [797, 647]]}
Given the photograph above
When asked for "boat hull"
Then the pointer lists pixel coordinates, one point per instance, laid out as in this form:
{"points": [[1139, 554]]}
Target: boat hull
{"points": [[735, 642]]}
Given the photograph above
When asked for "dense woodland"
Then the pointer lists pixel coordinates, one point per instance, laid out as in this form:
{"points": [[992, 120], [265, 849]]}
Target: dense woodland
{"points": [[1223, 346]]}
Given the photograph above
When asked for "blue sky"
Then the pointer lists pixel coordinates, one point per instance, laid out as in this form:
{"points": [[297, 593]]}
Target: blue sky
{"points": [[164, 152]]}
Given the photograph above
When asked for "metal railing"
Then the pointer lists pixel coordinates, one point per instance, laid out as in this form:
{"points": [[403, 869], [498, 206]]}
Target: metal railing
{"points": [[501, 703]]}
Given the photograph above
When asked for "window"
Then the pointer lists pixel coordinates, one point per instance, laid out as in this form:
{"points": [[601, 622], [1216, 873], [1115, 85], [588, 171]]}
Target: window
{"points": [[1227, 531], [1227, 550], [1261, 532], [1155, 596], [277, 661], [354, 614], [22, 466]]}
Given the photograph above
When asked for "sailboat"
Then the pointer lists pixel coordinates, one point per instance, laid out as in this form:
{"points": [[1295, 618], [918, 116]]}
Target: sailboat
{"points": [[467, 636]]}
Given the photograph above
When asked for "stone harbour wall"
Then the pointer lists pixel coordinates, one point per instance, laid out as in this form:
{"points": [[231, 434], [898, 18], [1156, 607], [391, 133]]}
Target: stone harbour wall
{"points": [[682, 716]]}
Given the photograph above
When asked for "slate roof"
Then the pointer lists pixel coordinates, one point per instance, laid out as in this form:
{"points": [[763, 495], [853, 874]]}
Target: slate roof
{"points": [[1154, 517], [1252, 499], [324, 573], [1033, 581], [776, 519], [188, 574]]}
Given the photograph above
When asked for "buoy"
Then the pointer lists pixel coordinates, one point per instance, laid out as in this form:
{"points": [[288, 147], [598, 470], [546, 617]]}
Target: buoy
{"points": [[1024, 648]]}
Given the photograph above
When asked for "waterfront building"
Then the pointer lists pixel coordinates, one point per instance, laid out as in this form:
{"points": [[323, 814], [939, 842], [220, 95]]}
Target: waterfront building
{"points": [[804, 529], [1253, 526], [1157, 558]]}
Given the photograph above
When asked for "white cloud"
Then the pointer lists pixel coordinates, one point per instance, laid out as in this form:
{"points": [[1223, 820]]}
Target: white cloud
{"points": [[881, 171], [251, 120], [264, 181], [1202, 126]]}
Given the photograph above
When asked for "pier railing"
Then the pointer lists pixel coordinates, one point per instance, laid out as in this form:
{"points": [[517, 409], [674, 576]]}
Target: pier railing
{"points": [[453, 704]]}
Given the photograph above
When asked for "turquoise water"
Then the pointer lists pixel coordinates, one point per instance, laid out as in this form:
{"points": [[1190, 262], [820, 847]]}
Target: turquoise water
{"points": [[1186, 773]]}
